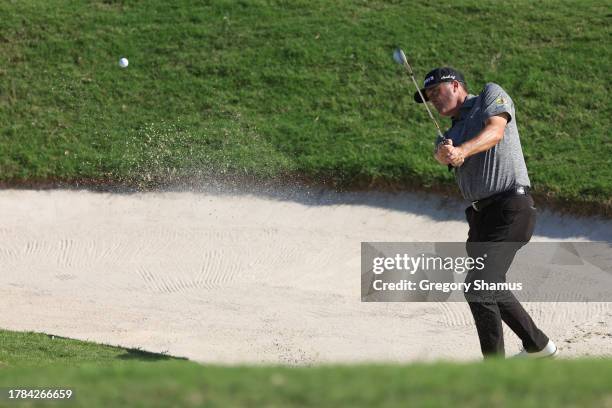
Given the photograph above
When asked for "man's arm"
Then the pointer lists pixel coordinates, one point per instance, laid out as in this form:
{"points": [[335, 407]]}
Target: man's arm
{"points": [[488, 137]]}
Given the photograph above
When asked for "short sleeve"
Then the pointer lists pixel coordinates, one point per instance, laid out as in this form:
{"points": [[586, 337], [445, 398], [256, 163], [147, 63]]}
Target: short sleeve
{"points": [[495, 101]]}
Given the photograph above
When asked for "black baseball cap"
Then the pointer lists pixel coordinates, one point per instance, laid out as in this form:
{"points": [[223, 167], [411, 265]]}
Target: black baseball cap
{"points": [[437, 76]]}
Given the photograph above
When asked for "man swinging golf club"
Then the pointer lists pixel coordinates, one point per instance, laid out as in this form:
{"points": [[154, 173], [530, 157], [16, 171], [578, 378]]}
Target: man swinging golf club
{"points": [[483, 147]]}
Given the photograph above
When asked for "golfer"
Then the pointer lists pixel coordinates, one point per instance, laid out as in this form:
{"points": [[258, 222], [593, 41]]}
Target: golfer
{"points": [[484, 149]]}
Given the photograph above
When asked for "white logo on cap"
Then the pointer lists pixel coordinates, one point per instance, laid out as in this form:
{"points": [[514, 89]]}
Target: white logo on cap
{"points": [[448, 76]]}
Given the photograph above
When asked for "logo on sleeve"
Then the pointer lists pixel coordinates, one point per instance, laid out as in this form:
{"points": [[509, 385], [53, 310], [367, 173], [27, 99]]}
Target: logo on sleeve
{"points": [[501, 101]]}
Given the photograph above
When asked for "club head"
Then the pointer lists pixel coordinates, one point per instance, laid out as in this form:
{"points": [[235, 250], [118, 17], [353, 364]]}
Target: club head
{"points": [[399, 56]]}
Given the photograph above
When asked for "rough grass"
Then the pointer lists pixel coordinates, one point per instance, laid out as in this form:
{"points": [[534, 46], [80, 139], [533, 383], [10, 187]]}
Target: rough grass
{"points": [[308, 89]]}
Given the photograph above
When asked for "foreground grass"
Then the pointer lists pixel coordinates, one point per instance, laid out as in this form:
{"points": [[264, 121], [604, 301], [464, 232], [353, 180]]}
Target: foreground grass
{"points": [[102, 376], [272, 89], [540, 384]]}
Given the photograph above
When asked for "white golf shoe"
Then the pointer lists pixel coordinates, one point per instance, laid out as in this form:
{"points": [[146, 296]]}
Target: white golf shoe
{"points": [[550, 351]]}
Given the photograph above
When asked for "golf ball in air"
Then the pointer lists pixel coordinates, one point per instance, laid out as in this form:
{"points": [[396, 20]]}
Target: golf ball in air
{"points": [[123, 62]]}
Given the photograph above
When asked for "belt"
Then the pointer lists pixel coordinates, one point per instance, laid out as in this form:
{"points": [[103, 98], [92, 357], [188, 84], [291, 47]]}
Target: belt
{"points": [[480, 205]]}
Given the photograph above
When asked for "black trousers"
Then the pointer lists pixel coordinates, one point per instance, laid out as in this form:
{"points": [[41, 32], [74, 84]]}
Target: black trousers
{"points": [[499, 231]]}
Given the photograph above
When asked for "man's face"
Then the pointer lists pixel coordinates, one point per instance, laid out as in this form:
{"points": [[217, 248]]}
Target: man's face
{"points": [[443, 97]]}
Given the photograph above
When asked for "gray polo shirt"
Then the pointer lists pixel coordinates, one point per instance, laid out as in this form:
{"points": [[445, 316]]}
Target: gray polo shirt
{"points": [[498, 169]]}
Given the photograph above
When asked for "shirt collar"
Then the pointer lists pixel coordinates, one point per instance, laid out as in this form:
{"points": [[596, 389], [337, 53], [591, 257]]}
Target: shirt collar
{"points": [[467, 104]]}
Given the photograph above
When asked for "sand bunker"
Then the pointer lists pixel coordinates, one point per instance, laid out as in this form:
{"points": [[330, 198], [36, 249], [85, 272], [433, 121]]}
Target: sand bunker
{"points": [[250, 278]]}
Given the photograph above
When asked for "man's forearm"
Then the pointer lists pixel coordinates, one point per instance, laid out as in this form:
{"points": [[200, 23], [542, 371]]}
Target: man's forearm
{"points": [[486, 139]]}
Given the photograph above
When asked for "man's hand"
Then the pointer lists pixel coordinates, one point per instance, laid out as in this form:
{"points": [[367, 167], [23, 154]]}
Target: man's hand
{"points": [[441, 155], [449, 154], [455, 155]]}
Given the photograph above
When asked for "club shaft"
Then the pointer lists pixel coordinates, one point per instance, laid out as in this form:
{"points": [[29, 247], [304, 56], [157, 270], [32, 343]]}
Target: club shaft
{"points": [[425, 104], [411, 73], [404, 62]]}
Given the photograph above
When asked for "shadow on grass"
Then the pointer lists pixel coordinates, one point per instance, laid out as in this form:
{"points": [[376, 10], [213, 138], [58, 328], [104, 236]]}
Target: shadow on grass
{"points": [[134, 354], [142, 355]]}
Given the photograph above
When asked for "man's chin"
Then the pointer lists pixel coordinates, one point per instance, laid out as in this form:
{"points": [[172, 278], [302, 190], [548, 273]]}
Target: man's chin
{"points": [[440, 112]]}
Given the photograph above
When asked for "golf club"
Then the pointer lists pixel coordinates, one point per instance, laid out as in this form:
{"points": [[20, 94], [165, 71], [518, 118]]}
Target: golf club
{"points": [[400, 58]]}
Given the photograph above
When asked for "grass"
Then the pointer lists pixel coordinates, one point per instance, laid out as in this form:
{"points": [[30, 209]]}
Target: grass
{"points": [[108, 376], [272, 90], [26, 349]]}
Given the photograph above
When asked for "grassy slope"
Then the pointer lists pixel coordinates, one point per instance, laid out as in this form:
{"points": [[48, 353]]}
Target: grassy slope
{"points": [[24, 349], [104, 376], [276, 88]]}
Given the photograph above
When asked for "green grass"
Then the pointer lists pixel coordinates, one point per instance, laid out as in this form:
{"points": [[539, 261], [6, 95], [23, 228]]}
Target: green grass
{"points": [[26, 349], [108, 376], [278, 89]]}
